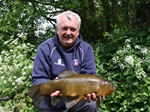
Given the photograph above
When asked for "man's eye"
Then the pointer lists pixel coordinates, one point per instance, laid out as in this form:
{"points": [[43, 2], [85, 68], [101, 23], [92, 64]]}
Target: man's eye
{"points": [[64, 28], [72, 29]]}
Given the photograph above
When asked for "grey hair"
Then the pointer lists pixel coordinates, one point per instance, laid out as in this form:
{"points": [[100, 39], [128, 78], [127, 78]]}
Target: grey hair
{"points": [[69, 15]]}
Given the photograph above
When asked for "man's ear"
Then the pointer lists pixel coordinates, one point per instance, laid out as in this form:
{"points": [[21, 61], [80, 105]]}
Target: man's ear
{"points": [[56, 28]]}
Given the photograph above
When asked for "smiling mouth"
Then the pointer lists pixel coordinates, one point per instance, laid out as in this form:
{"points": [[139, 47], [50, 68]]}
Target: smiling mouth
{"points": [[67, 36]]}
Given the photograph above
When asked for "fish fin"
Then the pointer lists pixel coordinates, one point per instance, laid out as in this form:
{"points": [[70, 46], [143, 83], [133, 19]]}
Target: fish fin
{"points": [[66, 73], [98, 101], [70, 102], [35, 95], [55, 101], [32, 91]]}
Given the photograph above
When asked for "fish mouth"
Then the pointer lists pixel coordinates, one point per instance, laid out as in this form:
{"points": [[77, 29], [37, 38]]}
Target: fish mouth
{"points": [[101, 98], [113, 88]]}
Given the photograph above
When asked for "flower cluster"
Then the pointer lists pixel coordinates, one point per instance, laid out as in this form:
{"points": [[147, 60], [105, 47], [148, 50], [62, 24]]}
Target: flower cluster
{"points": [[129, 60], [15, 66], [131, 57]]}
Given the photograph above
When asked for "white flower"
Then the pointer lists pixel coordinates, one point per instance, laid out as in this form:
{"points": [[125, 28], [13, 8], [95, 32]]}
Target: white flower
{"points": [[22, 35], [6, 42], [137, 47], [129, 60], [138, 65], [1, 68], [28, 44], [144, 51], [10, 79], [3, 92], [24, 73], [13, 83], [115, 59], [128, 46], [122, 66], [2, 77], [11, 50], [143, 73], [18, 47], [15, 42], [119, 52], [15, 77], [19, 80], [30, 77], [140, 73], [30, 66], [3, 52], [1, 109], [5, 82], [127, 40]]}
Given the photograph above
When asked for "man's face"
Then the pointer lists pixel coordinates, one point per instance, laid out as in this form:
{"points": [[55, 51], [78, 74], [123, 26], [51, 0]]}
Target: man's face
{"points": [[67, 31]]}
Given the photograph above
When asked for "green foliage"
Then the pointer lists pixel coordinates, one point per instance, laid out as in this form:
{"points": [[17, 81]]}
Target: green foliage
{"points": [[121, 58], [16, 63], [97, 17], [142, 35], [128, 68], [19, 16], [124, 61]]}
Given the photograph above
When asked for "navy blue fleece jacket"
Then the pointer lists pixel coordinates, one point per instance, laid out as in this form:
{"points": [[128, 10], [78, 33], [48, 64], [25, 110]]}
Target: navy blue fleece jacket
{"points": [[51, 59]]}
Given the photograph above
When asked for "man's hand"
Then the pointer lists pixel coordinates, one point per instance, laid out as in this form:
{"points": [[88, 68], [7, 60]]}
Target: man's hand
{"points": [[90, 97], [55, 94]]}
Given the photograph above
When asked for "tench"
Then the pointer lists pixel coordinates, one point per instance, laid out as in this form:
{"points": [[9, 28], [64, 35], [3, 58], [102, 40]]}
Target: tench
{"points": [[72, 86]]}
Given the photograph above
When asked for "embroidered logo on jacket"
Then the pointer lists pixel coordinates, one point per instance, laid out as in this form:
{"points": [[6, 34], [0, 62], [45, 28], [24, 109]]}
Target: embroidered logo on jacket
{"points": [[59, 63], [75, 62]]}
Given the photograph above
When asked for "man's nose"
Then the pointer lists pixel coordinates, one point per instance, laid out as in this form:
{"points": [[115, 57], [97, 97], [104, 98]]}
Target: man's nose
{"points": [[68, 32]]}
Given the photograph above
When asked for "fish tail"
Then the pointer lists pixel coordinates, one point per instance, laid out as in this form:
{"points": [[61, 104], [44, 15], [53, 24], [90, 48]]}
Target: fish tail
{"points": [[35, 95]]}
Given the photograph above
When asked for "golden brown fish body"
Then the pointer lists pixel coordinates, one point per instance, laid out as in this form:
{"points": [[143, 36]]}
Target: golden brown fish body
{"points": [[74, 86], [78, 85]]}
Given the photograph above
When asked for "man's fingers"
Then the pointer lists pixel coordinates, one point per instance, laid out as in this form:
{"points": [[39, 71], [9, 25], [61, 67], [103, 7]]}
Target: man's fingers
{"points": [[55, 94], [88, 98], [93, 97]]}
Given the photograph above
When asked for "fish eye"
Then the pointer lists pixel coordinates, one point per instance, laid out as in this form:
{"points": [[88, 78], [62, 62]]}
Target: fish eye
{"points": [[103, 83]]}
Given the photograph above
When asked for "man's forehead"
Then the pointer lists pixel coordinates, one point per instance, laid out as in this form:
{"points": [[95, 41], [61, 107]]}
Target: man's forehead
{"points": [[70, 17], [65, 21]]}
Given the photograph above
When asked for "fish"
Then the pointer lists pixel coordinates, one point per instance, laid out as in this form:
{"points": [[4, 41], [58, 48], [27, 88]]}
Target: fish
{"points": [[73, 87]]}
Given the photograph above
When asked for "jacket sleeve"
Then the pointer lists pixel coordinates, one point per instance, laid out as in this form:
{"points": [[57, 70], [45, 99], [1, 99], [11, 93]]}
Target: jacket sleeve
{"points": [[41, 68], [88, 65]]}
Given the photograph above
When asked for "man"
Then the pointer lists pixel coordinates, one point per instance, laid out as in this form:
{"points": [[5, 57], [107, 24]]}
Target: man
{"points": [[66, 50]]}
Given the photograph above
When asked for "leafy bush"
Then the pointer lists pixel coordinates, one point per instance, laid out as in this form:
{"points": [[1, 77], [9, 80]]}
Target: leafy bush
{"points": [[128, 68], [16, 62], [125, 61]]}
